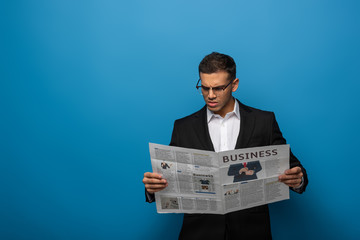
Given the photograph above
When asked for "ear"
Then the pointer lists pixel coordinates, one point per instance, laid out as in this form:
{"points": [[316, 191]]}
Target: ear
{"points": [[235, 85]]}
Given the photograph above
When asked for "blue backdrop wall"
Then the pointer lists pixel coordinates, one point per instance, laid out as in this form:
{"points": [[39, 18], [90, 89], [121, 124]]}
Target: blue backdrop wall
{"points": [[85, 85]]}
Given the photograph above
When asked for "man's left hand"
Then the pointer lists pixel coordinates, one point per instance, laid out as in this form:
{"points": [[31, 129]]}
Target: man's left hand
{"points": [[292, 177]]}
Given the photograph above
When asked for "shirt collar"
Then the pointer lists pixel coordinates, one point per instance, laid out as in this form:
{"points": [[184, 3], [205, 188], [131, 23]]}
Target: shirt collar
{"points": [[236, 111]]}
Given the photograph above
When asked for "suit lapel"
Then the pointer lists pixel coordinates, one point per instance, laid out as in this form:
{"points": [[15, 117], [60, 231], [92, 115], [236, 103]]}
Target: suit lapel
{"points": [[202, 129], [247, 125]]}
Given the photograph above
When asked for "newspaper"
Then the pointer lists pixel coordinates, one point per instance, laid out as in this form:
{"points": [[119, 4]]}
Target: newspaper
{"points": [[218, 183]]}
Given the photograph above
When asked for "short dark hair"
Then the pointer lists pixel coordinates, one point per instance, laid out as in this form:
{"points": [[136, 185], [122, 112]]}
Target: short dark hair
{"points": [[215, 62]]}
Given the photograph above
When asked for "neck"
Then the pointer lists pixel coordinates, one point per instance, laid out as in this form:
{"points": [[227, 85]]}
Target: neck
{"points": [[228, 108]]}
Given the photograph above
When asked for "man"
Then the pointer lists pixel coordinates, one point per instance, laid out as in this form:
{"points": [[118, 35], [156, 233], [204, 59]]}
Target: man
{"points": [[226, 124]]}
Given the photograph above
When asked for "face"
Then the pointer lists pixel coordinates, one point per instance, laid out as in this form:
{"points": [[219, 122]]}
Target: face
{"points": [[221, 103]]}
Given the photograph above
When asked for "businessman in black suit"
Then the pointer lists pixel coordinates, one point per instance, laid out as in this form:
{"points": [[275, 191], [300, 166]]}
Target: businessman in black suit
{"points": [[224, 123]]}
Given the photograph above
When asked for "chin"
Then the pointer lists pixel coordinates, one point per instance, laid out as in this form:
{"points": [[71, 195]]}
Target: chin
{"points": [[212, 109], [215, 110]]}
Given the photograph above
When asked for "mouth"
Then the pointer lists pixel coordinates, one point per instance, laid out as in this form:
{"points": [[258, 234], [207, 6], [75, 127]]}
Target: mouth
{"points": [[212, 104]]}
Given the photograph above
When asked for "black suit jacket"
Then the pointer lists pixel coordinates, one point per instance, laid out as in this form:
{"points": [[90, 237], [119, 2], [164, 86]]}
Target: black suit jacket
{"points": [[235, 168], [257, 128]]}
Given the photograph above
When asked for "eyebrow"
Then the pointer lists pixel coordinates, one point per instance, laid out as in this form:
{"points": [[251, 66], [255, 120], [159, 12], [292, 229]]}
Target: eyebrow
{"points": [[213, 87]]}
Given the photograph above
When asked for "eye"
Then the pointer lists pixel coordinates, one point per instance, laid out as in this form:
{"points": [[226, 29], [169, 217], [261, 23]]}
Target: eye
{"points": [[217, 89], [205, 88]]}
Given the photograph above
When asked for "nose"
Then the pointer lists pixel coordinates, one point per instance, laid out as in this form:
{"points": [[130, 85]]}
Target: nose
{"points": [[211, 94]]}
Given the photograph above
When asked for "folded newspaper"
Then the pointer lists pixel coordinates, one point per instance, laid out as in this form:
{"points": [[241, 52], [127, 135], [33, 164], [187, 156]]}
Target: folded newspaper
{"points": [[218, 183]]}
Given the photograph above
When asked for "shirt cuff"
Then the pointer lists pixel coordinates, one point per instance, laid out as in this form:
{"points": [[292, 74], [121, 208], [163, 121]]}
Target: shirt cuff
{"points": [[150, 197]]}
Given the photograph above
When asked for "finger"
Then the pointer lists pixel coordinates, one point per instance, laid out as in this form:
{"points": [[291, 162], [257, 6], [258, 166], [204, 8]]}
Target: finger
{"points": [[285, 177], [294, 170], [154, 181], [155, 186], [291, 176], [152, 175], [153, 189], [293, 184], [292, 181]]}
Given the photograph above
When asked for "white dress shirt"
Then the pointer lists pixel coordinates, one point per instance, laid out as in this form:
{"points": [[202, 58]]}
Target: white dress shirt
{"points": [[224, 131]]}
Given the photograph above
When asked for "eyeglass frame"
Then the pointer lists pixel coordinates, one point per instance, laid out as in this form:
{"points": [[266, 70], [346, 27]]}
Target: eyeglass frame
{"points": [[223, 88]]}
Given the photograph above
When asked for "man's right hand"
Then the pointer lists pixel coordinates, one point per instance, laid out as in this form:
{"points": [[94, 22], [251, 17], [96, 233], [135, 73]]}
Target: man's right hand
{"points": [[154, 182]]}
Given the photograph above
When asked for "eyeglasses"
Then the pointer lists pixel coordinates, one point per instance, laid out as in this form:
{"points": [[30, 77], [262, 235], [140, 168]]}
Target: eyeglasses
{"points": [[216, 90]]}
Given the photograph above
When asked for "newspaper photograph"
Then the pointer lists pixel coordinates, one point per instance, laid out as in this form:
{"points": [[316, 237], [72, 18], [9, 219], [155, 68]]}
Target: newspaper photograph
{"points": [[208, 182]]}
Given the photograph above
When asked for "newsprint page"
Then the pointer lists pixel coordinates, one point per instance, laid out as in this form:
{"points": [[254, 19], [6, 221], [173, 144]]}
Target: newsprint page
{"points": [[218, 183]]}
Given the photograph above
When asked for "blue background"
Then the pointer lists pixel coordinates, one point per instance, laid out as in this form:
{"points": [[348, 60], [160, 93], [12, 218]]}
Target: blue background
{"points": [[85, 85]]}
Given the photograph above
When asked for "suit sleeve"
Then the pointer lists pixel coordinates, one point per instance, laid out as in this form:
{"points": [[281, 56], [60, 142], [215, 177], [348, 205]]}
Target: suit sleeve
{"points": [[234, 169], [276, 139], [256, 167], [174, 137]]}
